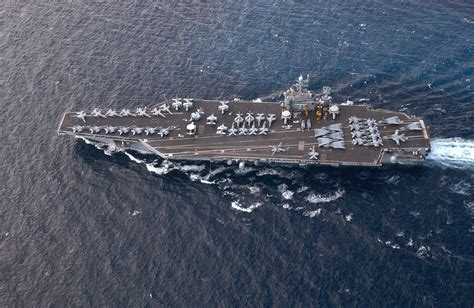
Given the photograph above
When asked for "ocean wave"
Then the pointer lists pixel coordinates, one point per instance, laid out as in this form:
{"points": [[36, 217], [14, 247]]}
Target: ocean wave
{"points": [[239, 207], [313, 198], [452, 152]]}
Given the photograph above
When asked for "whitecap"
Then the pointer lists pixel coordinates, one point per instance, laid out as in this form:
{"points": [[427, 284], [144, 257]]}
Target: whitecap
{"points": [[237, 206], [452, 152], [312, 214], [313, 198]]}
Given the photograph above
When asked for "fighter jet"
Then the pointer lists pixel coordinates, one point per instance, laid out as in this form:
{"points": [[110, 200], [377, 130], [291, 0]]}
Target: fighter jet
{"points": [[377, 142], [177, 104], [110, 129], [141, 112], [165, 108], [371, 122], [249, 118], [243, 130], [252, 130], [188, 103], [357, 134], [94, 129], [157, 112], [414, 126], [164, 131], [81, 115], [338, 145], [358, 141], [259, 118], [353, 120], [398, 137], [271, 118], [313, 154], [211, 120], [77, 128], [278, 148], [125, 113], [263, 130], [319, 132], [150, 130], [123, 130], [112, 113], [195, 116], [324, 141], [97, 113], [238, 119], [222, 129], [355, 126], [224, 106], [136, 130], [232, 131], [335, 127], [392, 120], [336, 136]]}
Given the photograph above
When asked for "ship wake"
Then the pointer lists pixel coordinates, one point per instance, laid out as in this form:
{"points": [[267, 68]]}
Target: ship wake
{"points": [[452, 152]]}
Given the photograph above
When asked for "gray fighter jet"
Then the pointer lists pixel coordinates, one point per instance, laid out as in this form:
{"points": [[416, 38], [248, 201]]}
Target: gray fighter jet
{"points": [[312, 153], [414, 126], [211, 120], [392, 120], [188, 103], [150, 130], [112, 113], [123, 130], [157, 112], [94, 129], [176, 104], [165, 108], [195, 116], [319, 132], [249, 118], [338, 145], [263, 130], [335, 127], [279, 148], [136, 130], [164, 131], [110, 129], [271, 118], [81, 115], [243, 130], [324, 141], [233, 131], [354, 120], [126, 113], [77, 128], [238, 119], [398, 137], [141, 112], [358, 141], [97, 113], [224, 106], [259, 118], [222, 129], [253, 130]]}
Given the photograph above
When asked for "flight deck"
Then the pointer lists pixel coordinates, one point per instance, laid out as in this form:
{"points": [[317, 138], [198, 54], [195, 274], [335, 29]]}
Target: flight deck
{"points": [[260, 132]]}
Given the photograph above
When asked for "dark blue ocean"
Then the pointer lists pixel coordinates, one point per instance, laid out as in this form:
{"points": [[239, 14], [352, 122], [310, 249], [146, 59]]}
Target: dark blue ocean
{"points": [[84, 229]]}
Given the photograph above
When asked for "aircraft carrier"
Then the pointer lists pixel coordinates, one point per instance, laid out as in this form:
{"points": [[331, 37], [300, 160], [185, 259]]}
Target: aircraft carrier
{"points": [[302, 128]]}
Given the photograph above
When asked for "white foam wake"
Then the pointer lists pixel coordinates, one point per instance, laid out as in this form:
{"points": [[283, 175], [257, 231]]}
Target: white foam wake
{"points": [[452, 152]]}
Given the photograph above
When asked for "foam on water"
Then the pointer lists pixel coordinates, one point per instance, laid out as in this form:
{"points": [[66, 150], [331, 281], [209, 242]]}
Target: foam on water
{"points": [[239, 207], [452, 152], [313, 198]]}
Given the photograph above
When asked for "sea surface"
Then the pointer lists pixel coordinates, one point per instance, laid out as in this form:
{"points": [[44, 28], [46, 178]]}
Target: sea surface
{"points": [[82, 228]]}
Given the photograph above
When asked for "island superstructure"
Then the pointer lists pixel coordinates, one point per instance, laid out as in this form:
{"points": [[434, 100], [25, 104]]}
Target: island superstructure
{"points": [[303, 128]]}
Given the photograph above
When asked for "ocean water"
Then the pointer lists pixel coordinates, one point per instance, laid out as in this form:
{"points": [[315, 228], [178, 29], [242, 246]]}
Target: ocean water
{"points": [[82, 228]]}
